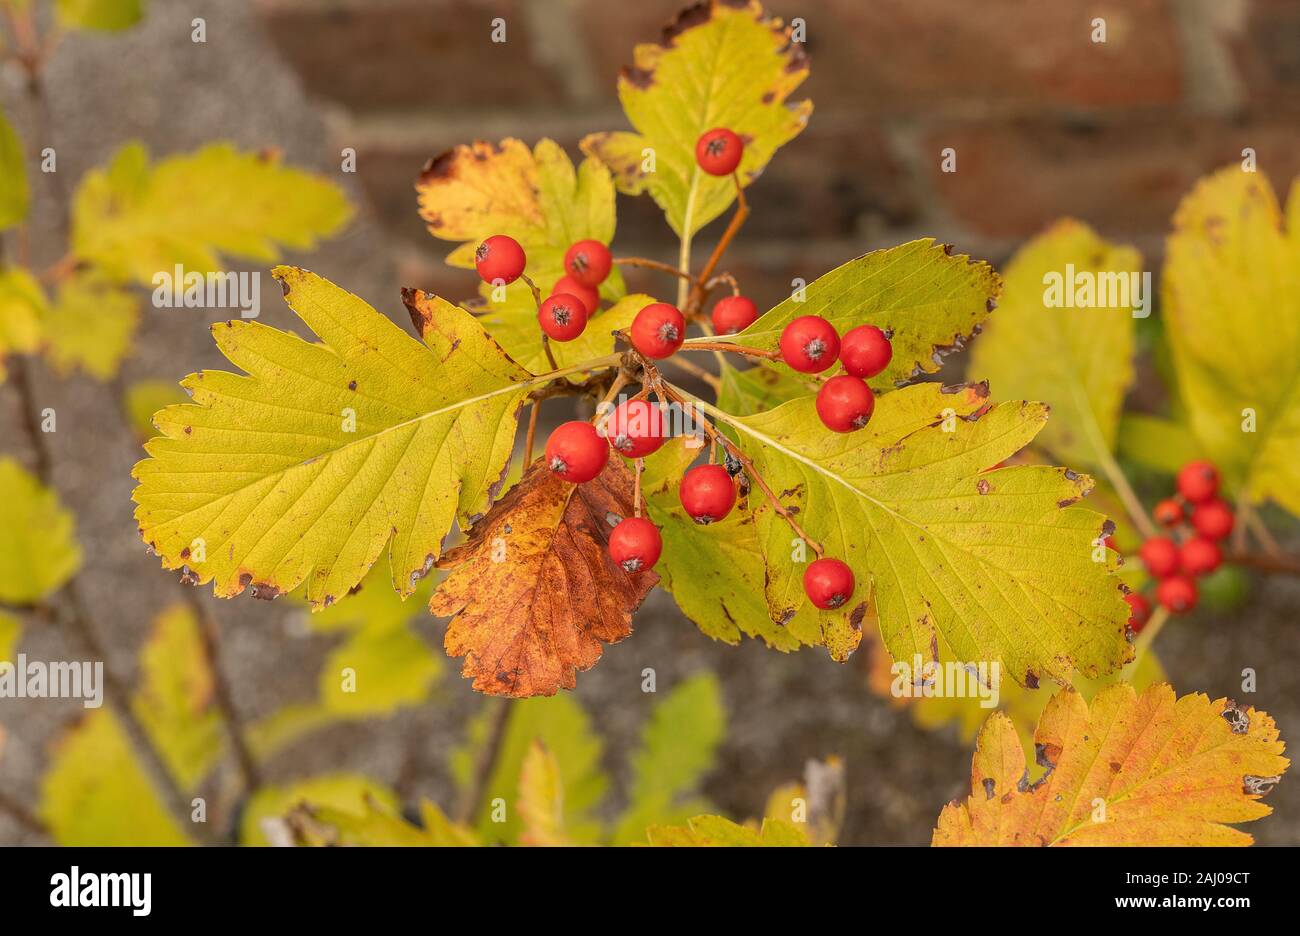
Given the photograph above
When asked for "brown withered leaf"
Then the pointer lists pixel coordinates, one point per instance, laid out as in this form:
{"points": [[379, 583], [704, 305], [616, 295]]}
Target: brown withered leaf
{"points": [[533, 592]]}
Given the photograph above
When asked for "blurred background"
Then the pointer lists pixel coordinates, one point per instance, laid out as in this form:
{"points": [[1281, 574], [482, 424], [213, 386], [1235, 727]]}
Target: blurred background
{"points": [[1045, 124]]}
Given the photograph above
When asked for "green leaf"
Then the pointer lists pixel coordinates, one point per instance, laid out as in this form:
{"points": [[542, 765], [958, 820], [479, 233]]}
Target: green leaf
{"points": [[328, 455], [559, 723], [998, 564], [22, 306], [717, 65], [716, 571], [89, 326], [1231, 293], [678, 745], [134, 220], [103, 15], [387, 671], [717, 832], [377, 827], [516, 330], [38, 547], [146, 397], [541, 798], [1160, 444], [929, 300], [345, 792], [759, 388], [1077, 360], [14, 193]]}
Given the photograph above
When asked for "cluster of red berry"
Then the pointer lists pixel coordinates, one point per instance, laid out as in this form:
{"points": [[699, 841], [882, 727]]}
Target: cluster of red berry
{"points": [[1176, 561], [574, 297]]}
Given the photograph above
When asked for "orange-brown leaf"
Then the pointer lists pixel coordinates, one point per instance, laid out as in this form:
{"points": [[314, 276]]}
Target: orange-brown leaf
{"points": [[534, 592], [1128, 770]]}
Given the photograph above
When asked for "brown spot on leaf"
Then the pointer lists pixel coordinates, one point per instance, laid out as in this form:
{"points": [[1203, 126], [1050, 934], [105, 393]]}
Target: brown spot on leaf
{"points": [[265, 591], [1031, 679], [1252, 785], [982, 485], [856, 616]]}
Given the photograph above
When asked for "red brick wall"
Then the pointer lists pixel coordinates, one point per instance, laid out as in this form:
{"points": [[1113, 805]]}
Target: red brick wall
{"points": [[1045, 122]]}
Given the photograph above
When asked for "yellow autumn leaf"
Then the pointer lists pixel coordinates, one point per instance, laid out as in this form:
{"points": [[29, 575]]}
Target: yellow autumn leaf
{"points": [[144, 398], [1231, 290], [22, 306], [717, 832], [346, 792], [100, 15], [541, 799], [89, 326], [1152, 769], [716, 65], [326, 456], [377, 827], [14, 193], [38, 546]]}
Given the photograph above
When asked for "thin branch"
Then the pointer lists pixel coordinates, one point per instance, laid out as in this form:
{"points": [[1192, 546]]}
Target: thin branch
{"points": [[656, 265], [699, 294], [475, 792], [22, 815], [696, 345], [723, 278], [1252, 521], [696, 371], [1280, 564], [532, 431], [550, 355]]}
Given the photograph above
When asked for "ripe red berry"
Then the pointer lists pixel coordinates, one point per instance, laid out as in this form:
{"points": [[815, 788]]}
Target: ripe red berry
{"points": [[1198, 481], [1177, 593], [810, 344], [845, 403], [658, 330], [1168, 513], [588, 261], [865, 351], [1212, 519], [708, 493], [718, 151], [499, 258], [576, 452], [562, 316], [635, 544], [734, 314], [590, 298], [1200, 556], [635, 429], [828, 583], [1160, 556], [1139, 611]]}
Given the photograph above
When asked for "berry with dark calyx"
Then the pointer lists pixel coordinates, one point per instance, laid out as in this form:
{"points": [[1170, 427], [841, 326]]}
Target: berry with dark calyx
{"points": [[1212, 519], [1168, 513], [865, 351], [1160, 555], [658, 330], [828, 583], [590, 298], [707, 493], [734, 314], [1200, 556], [718, 151], [576, 452], [500, 258], [563, 317], [1198, 481], [845, 403], [1139, 611], [810, 344], [1177, 594], [635, 429], [635, 544], [588, 262]]}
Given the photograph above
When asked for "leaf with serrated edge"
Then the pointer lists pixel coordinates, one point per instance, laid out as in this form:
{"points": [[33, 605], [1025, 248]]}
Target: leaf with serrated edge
{"points": [[534, 593], [998, 563], [1231, 292], [541, 798], [717, 65], [1077, 360], [1169, 771], [930, 301], [89, 326], [262, 468], [717, 832], [345, 792], [518, 334], [38, 548]]}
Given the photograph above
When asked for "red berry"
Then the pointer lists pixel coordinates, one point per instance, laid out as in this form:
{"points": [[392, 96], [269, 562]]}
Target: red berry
{"points": [[635, 544], [734, 314], [635, 429], [718, 151], [1168, 513], [707, 493], [845, 403], [590, 298], [865, 351], [588, 261], [828, 583], [1212, 519], [562, 316], [1139, 611], [499, 258], [1160, 556], [1198, 481], [1200, 556], [810, 344], [576, 452], [1177, 593], [658, 330]]}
